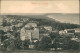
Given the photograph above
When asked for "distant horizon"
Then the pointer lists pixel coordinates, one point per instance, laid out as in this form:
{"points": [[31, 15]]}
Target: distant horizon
{"points": [[72, 18], [33, 13]]}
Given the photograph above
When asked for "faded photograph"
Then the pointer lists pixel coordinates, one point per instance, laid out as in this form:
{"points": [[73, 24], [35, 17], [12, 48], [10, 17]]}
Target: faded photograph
{"points": [[39, 26]]}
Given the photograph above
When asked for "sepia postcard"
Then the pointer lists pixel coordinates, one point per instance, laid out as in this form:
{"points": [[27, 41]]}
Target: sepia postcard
{"points": [[39, 26]]}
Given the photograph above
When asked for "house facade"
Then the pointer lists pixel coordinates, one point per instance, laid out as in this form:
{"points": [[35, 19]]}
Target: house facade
{"points": [[31, 25], [67, 31], [49, 28], [29, 33]]}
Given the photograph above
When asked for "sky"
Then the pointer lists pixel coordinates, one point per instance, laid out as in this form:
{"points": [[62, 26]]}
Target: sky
{"points": [[71, 6], [41, 7]]}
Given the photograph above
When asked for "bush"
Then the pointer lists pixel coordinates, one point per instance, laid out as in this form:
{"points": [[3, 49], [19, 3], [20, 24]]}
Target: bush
{"points": [[44, 43], [74, 45]]}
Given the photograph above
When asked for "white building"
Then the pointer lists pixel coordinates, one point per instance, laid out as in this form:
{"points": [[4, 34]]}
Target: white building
{"points": [[69, 30], [77, 30], [29, 34], [49, 28], [62, 32], [31, 25]]}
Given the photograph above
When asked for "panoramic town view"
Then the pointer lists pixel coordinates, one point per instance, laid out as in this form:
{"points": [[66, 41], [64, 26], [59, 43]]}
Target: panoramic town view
{"points": [[38, 33], [39, 26]]}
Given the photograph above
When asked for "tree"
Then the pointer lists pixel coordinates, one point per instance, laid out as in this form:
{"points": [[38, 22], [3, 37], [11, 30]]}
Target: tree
{"points": [[26, 44], [53, 35], [18, 44], [74, 45], [5, 23], [36, 45], [44, 44], [14, 28], [77, 34], [2, 35], [8, 44], [2, 32]]}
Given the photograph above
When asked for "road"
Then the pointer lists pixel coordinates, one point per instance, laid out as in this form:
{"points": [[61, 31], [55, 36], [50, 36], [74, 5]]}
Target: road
{"points": [[34, 51]]}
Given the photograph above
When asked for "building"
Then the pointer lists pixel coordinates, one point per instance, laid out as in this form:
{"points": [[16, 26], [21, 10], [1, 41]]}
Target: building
{"points": [[1, 28], [30, 34], [7, 28], [25, 19], [62, 32], [49, 28], [19, 24], [77, 33], [44, 31], [77, 30], [41, 35], [69, 30], [74, 38], [1, 20], [73, 33], [31, 25], [11, 20]]}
